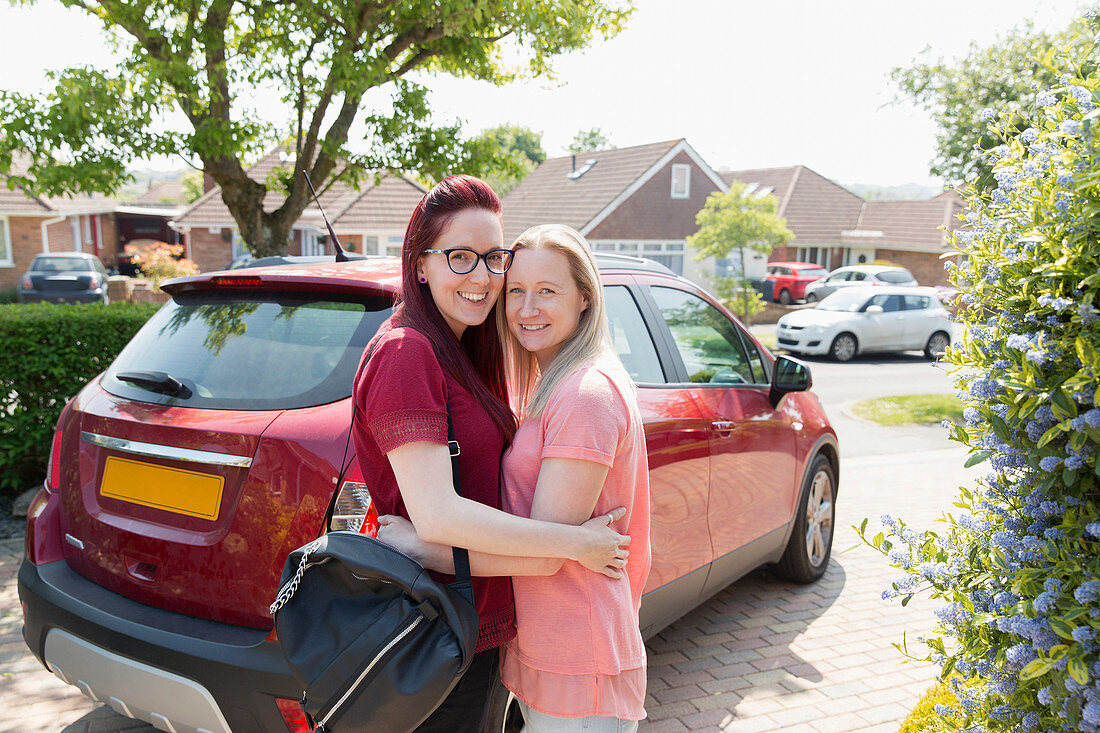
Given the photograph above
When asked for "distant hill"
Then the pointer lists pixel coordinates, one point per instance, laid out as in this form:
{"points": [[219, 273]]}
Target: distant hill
{"points": [[907, 192]]}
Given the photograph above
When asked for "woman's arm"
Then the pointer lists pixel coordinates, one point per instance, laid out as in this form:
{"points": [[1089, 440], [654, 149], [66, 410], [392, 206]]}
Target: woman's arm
{"points": [[443, 517]]}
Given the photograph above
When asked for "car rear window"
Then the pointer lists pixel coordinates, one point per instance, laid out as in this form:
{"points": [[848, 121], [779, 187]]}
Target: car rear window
{"points": [[231, 352], [895, 276], [811, 272], [62, 264]]}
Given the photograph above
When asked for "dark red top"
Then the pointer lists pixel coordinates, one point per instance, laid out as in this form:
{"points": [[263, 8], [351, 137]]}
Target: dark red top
{"points": [[401, 397]]}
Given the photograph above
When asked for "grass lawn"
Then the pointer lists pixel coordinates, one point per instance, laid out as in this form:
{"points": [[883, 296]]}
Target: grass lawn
{"points": [[906, 409]]}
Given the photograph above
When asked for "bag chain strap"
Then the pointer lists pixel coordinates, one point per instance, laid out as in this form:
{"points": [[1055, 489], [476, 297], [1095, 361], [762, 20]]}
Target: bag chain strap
{"points": [[292, 585]]}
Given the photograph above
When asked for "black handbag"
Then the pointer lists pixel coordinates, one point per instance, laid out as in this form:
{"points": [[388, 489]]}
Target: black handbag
{"points": [[375, 641]]}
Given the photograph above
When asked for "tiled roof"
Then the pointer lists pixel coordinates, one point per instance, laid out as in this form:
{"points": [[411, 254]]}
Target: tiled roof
{"points": [[817, 210], [911, 225], [820, 211], [165, 192], [549, 194], [17, 201], [385, 205]]}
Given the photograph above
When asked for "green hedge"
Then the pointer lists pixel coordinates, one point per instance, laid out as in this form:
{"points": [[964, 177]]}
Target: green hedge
{"points": [[49, 352]]}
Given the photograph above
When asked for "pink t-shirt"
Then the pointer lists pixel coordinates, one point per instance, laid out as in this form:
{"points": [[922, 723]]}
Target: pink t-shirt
{"points": [[578, 650]]}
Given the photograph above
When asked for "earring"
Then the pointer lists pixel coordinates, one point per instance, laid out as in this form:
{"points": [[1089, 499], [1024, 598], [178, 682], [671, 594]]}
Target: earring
{"points": [[423, 280]]}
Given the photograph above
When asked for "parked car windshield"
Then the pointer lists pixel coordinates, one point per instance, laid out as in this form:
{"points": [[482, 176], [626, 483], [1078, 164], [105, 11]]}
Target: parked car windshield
{"points": [[895, 276], [63, 264], [248, 352], [843, 300]]}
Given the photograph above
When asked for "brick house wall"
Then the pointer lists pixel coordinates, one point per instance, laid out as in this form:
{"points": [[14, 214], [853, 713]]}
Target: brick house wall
{"points": [[651, 213], [209, 250], [60, 236], [927, 267], [108, 240], [26, 242]]}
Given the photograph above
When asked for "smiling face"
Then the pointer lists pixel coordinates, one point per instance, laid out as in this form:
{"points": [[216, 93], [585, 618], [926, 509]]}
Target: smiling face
{"points": [[543, 304], [464, 300]]}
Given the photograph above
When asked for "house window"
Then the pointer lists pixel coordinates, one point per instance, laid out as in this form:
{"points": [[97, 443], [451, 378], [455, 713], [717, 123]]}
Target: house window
{"points": [[239, 247], [681, 181], [393, 245], [669, 254], [370, 244], [6, 259]]}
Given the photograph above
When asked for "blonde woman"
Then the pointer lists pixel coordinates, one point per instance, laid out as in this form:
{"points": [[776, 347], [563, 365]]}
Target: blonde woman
{"points": [[577, 661]]}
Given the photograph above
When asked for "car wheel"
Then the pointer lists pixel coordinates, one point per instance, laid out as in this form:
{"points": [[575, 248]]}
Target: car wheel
{"points": [[785, 297], [844, 347], [811, 543], [811, 298], [937, 345], [504, 715]]}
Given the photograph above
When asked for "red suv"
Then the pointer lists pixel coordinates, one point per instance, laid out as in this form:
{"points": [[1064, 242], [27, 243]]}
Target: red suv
{"points": [[217, 442], [789, 279]]}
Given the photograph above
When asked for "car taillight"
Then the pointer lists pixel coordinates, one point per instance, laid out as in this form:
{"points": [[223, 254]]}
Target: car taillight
{"points": [[237, 281], [28, 284], [293, 715], [32, 543], [354, 509], [53, 478]]}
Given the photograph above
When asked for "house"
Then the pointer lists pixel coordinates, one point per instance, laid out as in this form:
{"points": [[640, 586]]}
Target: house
{"points": [[640, 200], [371, 220], [834, 227], [30, 225]]}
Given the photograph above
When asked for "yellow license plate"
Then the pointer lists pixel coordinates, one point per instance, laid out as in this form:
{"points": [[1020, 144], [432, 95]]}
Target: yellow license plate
{"points": [[171, 489]]}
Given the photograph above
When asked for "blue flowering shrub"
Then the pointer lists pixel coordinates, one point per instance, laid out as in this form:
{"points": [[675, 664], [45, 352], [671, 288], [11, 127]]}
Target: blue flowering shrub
{"points": [[1018, 566]]}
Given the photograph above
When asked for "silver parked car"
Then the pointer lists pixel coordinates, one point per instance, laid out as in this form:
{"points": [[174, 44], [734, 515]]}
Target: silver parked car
{"points": [[856, 276], [64, 277], [858, 320]]}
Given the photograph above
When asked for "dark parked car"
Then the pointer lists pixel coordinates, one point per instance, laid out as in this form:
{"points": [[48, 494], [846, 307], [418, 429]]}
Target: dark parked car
{"points": [[64, 277], [218, 441]]}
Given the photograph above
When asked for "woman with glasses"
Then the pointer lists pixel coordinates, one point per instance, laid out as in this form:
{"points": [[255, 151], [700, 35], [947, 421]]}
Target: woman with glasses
{"points": [[440, 352], [577, 662]]}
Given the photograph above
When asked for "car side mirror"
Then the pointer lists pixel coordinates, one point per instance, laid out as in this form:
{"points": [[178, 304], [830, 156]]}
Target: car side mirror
{"points": [[789, 375], [874, 309]]}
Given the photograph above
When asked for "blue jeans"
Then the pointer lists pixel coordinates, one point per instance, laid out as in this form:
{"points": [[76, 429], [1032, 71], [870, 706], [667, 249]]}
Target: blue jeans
{"points": [[536, 722]]}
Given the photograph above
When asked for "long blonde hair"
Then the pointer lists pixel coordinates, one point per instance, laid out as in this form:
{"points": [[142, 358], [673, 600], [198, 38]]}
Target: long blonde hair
{"points": [[531, 388]]}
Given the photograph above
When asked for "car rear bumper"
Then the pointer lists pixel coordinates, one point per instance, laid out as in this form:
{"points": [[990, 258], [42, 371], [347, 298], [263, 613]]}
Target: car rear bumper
{"points": [[83, 296], [173, 671]]}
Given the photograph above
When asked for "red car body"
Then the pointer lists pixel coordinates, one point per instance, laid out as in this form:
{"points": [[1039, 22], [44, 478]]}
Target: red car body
{"points": [[155, 547], [789, 279]]}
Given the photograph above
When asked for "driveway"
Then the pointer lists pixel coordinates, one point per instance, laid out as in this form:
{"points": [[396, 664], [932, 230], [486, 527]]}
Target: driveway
{"points": [[763, 654]]}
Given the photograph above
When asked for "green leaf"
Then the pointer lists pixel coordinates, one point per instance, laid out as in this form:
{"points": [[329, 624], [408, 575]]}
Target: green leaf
{"points": [[1035, 668], [1062, 628], [1078, 670], [977, 457]]}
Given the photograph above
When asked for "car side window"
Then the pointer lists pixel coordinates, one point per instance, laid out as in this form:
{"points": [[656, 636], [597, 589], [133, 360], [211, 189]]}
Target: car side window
{"points": [[888, 303], [630, 336], [838, 277], [915, 302], [706, 339], [858, 276]]}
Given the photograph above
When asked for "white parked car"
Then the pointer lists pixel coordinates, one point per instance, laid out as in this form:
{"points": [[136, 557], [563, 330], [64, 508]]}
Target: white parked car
{"points": [[858, 320], [858, 276]]}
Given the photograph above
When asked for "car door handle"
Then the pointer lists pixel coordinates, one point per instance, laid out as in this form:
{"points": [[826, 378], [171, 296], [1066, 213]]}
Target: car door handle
{"points": [[724, 426]]}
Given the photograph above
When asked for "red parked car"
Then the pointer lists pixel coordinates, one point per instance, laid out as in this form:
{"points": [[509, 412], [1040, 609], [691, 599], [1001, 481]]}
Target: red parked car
{"points": [[218, 441], [789, 279]]}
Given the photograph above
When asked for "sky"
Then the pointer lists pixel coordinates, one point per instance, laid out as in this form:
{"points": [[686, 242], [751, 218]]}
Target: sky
{"points": [[748, 84]]}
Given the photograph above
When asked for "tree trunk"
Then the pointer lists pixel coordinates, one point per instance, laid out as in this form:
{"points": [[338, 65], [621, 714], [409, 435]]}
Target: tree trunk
{"points": [[264, 233]]}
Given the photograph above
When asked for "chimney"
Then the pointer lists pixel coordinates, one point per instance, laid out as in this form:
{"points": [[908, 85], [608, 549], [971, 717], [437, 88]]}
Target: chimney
{"points": [[573, 166]]}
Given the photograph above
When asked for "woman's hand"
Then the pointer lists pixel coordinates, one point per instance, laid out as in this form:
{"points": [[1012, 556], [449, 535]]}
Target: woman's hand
{"points": [[604, 550], [400, 533]]}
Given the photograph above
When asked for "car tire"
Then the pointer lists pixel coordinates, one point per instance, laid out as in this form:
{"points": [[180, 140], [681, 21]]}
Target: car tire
{"points": [[844, 347], [937, 345], [785, 297], [811, 298], [504, 715], [811, 542]]}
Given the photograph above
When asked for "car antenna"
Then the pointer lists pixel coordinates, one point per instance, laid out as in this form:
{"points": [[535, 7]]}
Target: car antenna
{"points": [[341, 255]]}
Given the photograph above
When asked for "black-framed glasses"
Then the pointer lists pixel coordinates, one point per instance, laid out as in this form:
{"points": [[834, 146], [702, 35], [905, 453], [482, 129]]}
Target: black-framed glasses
{"points": [[462, 260]]}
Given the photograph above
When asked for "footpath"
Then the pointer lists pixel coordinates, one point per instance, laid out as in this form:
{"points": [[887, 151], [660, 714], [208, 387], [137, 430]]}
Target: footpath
{"points": [[762, 655]]}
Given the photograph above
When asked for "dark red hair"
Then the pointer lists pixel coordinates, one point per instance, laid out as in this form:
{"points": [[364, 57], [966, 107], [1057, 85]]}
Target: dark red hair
{"points": [[477, 359]]}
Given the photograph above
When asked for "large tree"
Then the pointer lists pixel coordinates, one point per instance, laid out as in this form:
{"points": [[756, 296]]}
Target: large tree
{"points": [[192, 69], [743, 220], [1002, 78]]}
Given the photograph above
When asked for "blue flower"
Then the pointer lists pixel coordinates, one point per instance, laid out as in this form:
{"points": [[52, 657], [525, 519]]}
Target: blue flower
{"points": [[1045, 99], [1083, 633], [1093, 529], [1044, 603], [987, 114], [1019, 342], [1050, 463], [1074, 462], [1091, 713], [1087, 592]]}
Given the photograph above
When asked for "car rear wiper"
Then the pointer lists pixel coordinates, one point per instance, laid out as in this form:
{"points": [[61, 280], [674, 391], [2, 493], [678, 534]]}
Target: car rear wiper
{"points": [[157, 382]]}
